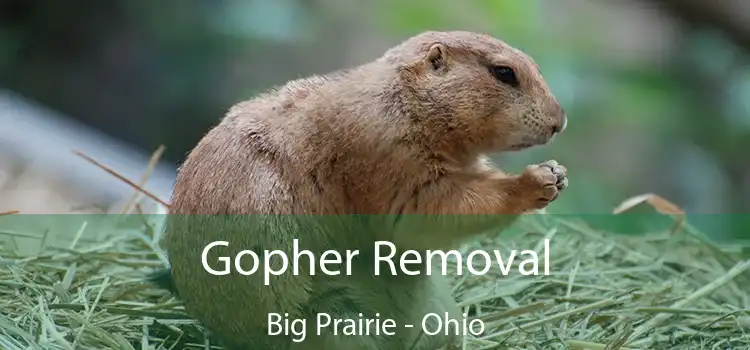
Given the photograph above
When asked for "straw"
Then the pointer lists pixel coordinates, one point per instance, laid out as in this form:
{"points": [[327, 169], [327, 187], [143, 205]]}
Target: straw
{"points": [[659, 290]]}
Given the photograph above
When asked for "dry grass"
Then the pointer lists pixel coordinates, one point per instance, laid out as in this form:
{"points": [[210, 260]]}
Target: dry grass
{"points": [[664, 290]]}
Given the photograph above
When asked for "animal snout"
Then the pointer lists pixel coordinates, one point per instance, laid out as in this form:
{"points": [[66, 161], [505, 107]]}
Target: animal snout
{"points": [[560, 126], [560, 119]]}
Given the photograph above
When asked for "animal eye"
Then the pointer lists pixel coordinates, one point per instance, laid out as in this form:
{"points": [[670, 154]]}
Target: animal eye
{"points": [[504, 74]]}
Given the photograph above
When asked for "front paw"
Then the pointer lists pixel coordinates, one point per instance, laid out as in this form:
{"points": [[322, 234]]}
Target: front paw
{"points": [[542, 183]]}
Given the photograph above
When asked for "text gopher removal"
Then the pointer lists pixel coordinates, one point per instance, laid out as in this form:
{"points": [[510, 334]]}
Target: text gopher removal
{"points": [[330, 262]]}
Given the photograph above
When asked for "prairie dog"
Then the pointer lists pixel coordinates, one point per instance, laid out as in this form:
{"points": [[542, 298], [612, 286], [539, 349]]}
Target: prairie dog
{"points": [[407, 133]]}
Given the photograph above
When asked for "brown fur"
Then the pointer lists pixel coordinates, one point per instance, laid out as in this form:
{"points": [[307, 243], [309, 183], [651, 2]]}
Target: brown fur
{"points": [[404, 134]]}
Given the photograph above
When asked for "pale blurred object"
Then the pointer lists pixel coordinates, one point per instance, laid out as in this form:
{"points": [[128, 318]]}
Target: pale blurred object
{"points": [[39, 173]]}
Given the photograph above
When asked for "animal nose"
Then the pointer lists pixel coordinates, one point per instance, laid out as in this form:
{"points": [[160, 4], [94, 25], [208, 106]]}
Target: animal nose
{"points": [[557, 113], [560, 127]]}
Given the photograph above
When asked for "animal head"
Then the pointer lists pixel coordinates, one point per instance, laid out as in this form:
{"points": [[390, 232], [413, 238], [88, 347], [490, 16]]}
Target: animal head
{"points": [[477, 91]]}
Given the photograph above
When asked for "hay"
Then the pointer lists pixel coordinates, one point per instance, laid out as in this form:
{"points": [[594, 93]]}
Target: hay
{"points": [[661, 291]]}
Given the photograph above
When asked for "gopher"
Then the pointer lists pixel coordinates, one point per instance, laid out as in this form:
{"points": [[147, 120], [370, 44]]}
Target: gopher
{"points": [[369, 149]]}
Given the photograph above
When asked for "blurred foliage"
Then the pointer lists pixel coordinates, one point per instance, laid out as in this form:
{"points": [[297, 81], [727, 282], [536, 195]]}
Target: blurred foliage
{"points": [[668, 113], [164, 72]]}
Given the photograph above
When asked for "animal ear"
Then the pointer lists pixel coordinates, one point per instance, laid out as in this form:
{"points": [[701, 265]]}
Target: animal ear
{"points": [[436, 56]]}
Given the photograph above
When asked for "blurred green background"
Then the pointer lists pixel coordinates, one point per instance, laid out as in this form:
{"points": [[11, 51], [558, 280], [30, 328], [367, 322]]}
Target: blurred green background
{"points": [[657, 92]]}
